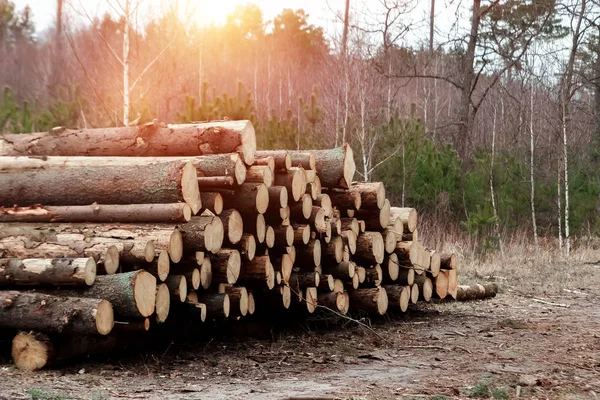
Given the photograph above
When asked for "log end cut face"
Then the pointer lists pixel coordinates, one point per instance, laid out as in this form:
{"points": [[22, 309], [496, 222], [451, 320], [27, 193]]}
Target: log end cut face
{"points": [[189, 187], [251, 303], [307, 205], [349, 165], [176, 246], [262, 198], [89, 271], [404, 298], [29, 353], [234, 262], [270, 237], [144, 293], [382, 301], [111, 260], [286, 296], [163, 302], [283, 197], [105, 317], [235, 227], [248, 137]]}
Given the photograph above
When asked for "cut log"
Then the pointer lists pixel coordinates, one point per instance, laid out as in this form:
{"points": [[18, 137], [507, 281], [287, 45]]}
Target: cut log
{"points": [[303, 279], [108, 262], [160, 267], [476, 291], [414, 293], [371, 300], [206, 273], [177, 287], [338, 286], [374, 275], [257, 226], [268, 161], [205, 233], [283, 264], [305, 160], [335, 167], [408, 253], [346, 254], [361, 273], [345, 199], [408, 216], [162, 303], [441, 285], [326, 283], [391, 268], [398, 228], [220, 165], [301, 234], [192, 308], [248, 198], [333, 301], [334, 251], [47, 272], [233, 225], [311, 298], [314, 188], [453, 283], [212, 201], [310, 175], [247, 247], [390, 239], [362, 225], [448, 261], [434, 263], [278, 196], [425, 287], [282, 158], [238, 298], [310, 255], [215, 182], [260, 174], [349, 238], [318, 220], [251, 303], [141, 181], [124, 213], [286, 296], [284, 235], [372, 194], [217, 305], [134, 326], [406, 276], [270, 237], [350, 224], [372, 223], [294, 180], [398, 296], [258, 272], [342, 270], [302, 209], [49, 313], [324, 202], [226, 265], [370, 248]]}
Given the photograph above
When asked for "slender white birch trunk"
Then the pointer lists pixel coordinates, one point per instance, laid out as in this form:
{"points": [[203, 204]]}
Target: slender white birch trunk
{"points": [[531, 174], [126, 95]]}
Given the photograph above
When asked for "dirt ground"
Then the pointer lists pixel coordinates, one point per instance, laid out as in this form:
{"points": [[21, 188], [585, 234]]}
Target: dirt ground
{"points": [[545, 346]]}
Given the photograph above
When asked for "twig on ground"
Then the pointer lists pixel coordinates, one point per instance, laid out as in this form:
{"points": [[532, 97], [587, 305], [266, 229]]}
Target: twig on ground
{"points": [[550, 303]]}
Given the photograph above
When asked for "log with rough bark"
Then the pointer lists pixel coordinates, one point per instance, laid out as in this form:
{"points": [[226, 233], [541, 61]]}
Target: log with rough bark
{"points": [[390, 239], [136, 243], [256, 225], [219, 166], [278, 196], [398, 296], [361, 273], [343, 270], [344, 199], [333, 251], [238, 298], [334, 301], [335, 167], [50, 313], [162, 303], [134, 326], [303, 279], [258, 273], [226, 266], [377, 219], [408, 216], [425, 287], [302, 159], [191, 309], [177, 287], [247, 247], [203, 234], [407, 252], [160, 267], [151, 139], [267, 161], [132, 294], [282, 158], [123, 213], [309, 256], [311, 299], [47, 272], [440, 285], [372, 194], [314, 188], [324, 202], [372, 300], [212, 201], [434, 263], [476, 291], [28, 181], [217, 305], [301, 234], [326, 283], [233, 225], [248, 198], [283, 264], [350, 224], [370, 248], [318, 220], [391, 268], [406, 276], [448, 261], [215, 182], [302, 209], [374, 275], [338, 286], [260, 174], [284, 235], [294, 181]]}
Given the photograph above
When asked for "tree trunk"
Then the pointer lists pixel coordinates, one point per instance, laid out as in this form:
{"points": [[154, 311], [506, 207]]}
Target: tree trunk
{"points": [[339, 302], [47, 272], [476, 291], [104, 180], [149, 140], [372, 223], [391, 268], [425, 287], [310, 255], [123, 213], [294, 181], [48, 313], [233, 226]]}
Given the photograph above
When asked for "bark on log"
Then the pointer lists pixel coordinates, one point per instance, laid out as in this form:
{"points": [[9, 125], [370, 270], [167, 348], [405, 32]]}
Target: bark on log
{"points": [[238, 298], [310, 255], [324, 202], [203, 234], [408, 216], [256, 225], [318, 220], [212, 201], [302, 159], [233, 225], [283, 264], [342, 270], [268, 161], [226, 265], [350, 224], [370, 248], [219, 165], [248, 199], [151, 139], [258, 272], [177, 287], [49, 313], [335, 167], [476, 291], [406, 276], [425, 287], [282, 158], [349, 238], [334, 251], [278, 196], [284, 235], [217, 305], [160, 267], [47, 272], [334, 301], [372, 300], [407, 252], [29, 181], [301, 234], [311, 299], [260, 174], [215, 182], [247, 247], [326, 283], [314, 188], [302, 209], [378, 221], [372, 194], [398, 296], [374, 275], [303, 279], [448, 261], [294, 181], [391, 268], [123, 213]]}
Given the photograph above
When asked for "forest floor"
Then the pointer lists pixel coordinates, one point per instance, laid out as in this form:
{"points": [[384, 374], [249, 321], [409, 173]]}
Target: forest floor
{"points": [[542, 341]]}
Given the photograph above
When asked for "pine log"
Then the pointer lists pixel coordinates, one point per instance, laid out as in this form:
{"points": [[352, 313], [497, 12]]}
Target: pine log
{"points": [[441, 285], [302, 209], [284, 235], [268, 161], [278, 196], [47, 272], [408, 216], [434, 263], [390, 239], [326, 283], [372, 194], [162, 303], [212, 201], [314, 188], [362, 225], [374, 275], [132, 294], [247, 247], [318, 220], [192, 308], [361, 273], [256, 225], [448, 261], [303, 279], [371, 300], [233, 225], [133, 326], [310, 175], [342, 270], [349, 238], [160, 267], [238, 298], [399, 297], [311, 299], [219, 165], [251, 303], [305, 160], [391, 268], [49, 313], [141, 181], [370, 220], [407, 252], [350, 224], [334, 301], [476, 291], [248, 199], [310, 255], [124, 213], [270, 237], [324, 202], [282, 158], [398, 228], [260, 174], [226, 265], [453, 283], [206, 273], [424, 259], [335, 167], [425, 287], [283, 264], [406, 276], [177, 287], [346, 254], [414, 293], [215, 182], [345, 199], [338, 286], [370, 248], [333, 252], [294, 180], [203, 234], [301, 234], [258, 272], [286, 296], [217, 305]]}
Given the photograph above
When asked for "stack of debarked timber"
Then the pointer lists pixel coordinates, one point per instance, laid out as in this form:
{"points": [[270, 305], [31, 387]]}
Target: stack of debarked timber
{"points": [[107, 232]]}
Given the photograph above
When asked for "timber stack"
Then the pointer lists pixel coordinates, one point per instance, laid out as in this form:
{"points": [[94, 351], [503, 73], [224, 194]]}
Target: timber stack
{"points": [[106, 233]]}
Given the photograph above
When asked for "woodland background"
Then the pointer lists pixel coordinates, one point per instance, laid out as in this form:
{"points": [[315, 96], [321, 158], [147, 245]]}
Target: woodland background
{"points": [[492, 131]]}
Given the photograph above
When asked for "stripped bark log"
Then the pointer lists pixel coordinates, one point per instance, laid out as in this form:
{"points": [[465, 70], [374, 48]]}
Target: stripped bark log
{"points": [[47, 272]]}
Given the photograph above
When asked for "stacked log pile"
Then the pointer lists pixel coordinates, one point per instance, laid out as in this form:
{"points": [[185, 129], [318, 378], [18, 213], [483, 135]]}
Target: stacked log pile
{"points": [[108, 232]]}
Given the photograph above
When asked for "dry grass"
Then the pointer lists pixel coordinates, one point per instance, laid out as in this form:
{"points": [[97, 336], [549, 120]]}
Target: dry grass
{"points": [[517, 266]]}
